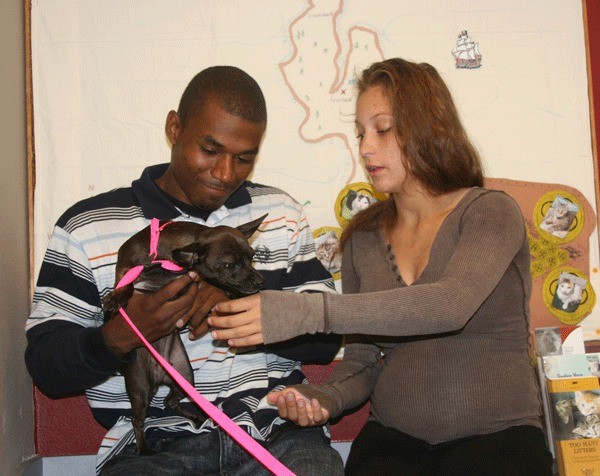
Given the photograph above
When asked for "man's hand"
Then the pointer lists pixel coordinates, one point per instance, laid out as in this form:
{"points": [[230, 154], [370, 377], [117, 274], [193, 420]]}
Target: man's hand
{"points": [[155, 315], [239, 322], [207, 298]]}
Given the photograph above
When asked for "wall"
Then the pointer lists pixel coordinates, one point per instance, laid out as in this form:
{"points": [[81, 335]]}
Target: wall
{"points": [[16, 407], [107, 77]]}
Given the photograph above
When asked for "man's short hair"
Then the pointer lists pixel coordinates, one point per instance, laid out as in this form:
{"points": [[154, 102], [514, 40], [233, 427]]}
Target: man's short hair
{"points": [[238, 93]]}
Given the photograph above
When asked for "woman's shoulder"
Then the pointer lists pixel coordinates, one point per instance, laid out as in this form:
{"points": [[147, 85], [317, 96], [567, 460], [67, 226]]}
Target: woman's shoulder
{"points": [[489, 205], [483, 199]]}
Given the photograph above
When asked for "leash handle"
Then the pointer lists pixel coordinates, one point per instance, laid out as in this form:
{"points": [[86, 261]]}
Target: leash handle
{"points": [[236, 433]]}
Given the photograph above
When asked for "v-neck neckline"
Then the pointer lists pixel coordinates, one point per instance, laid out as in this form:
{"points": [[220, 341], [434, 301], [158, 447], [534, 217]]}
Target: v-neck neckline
{"points": [[391, 256]]}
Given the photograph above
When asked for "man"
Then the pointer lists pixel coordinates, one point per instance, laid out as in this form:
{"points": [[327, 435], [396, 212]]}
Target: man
{"points": [[215, 136]]}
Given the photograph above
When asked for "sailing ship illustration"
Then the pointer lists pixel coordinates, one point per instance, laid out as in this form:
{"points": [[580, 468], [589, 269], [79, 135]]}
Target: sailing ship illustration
{"points": [[466, 52]]}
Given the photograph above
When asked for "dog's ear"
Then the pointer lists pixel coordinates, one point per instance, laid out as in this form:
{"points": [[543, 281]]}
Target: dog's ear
{"points": [[248, 229], [188, 255]]}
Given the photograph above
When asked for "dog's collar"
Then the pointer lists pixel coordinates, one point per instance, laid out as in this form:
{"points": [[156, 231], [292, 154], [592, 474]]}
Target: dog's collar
{"points": [[131, 275]]}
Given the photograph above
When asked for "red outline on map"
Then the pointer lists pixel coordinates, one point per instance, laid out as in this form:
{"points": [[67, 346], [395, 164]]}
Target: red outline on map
{"points": [[336, 83]]}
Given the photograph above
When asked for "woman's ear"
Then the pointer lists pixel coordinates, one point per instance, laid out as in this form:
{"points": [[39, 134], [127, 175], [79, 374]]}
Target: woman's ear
{"points": [[173, 127]]}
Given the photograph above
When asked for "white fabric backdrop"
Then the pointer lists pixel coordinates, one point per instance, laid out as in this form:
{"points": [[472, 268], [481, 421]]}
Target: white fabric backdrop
{"points": [[105, 74]]}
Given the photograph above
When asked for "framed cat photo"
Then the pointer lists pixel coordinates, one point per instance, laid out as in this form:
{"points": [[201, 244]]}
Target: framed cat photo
{"points": [[354, 198], [568, 295], [569, 292], [327, 248], [561, 217]]}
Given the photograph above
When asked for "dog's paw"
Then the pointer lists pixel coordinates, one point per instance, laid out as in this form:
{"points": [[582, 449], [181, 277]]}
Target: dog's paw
{"points": [[113, 301]]}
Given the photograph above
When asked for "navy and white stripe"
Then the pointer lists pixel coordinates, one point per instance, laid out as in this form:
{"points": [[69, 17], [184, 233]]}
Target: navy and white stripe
{"points": [[78, 270]]}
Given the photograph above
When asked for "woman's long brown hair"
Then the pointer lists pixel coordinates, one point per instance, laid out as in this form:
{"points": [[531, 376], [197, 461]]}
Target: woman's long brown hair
{"points": [[435, 147]]}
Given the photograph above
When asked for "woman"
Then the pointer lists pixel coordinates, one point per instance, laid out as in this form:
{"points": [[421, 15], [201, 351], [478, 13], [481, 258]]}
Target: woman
{"points": [[436, 288]]}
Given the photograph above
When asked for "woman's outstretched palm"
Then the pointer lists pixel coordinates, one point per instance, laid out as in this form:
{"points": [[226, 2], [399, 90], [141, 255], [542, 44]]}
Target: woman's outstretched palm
{"points": [[298, 407]]}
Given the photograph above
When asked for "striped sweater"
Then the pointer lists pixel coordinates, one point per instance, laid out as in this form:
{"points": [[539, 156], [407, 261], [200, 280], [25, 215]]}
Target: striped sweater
{"points": [[66, 354]]}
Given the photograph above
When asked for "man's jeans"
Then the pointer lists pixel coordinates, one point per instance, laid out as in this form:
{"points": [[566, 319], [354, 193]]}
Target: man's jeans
{"points": [[305, 451]]}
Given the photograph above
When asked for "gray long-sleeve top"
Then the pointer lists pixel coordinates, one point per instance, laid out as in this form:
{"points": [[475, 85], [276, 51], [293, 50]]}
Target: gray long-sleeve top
{"points": [[454, 343]]}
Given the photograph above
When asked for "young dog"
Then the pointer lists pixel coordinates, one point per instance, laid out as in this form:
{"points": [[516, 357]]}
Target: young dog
{"points": [[221, 256]]}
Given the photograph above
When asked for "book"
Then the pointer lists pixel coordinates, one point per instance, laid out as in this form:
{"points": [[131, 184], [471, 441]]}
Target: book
{"points": [[571, 366], [559, 340], [552, 341], [575, 410]]}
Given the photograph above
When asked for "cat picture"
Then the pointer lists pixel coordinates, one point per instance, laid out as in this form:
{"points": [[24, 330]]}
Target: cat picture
{"points": [[569, 292], [354, 202], [588, 405], [587, 402], [589, 428], [563, 410], [327, 247], [564, 422], [578, 414], [559, 217], [593, 364], [549, 341]]}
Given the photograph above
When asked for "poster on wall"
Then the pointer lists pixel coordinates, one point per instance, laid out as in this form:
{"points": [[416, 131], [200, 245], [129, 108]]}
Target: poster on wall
{"points": [[105, 75]]}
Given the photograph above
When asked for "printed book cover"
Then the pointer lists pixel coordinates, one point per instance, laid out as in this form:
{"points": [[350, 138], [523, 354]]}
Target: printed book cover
{"points": [[551, 341], [575, 409], [559, 340], [571, 366]]}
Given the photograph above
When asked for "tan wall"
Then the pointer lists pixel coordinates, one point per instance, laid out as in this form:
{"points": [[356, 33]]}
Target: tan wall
{"points": [[16, 406]]}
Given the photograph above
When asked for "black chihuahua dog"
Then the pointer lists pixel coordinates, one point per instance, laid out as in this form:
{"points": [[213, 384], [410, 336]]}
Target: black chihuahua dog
{"points": [[221, 256]]}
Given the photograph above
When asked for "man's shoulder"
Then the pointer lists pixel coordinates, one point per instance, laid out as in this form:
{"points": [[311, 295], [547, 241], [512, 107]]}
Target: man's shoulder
{"points": [[272, 198], [262, 190], [117, 203]]}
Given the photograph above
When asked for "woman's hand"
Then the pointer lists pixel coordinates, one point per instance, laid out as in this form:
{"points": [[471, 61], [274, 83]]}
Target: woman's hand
{"points": [[294, 406], [238, 322]]}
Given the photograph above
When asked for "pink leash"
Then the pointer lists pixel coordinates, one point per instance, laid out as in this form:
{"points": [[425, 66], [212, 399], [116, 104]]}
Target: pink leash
{"points": [[236, 433]]}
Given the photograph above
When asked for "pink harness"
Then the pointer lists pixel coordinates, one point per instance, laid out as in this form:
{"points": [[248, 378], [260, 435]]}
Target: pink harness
{"points": [[131, 275], [236, 433]]}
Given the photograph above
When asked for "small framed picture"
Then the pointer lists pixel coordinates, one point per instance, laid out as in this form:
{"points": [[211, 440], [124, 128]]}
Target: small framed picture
{"points": [[569, 292], [327, 248], [559, 218]]}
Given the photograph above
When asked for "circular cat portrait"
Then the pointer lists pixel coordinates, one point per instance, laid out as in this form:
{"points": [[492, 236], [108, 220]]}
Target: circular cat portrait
{"points": [[354, 198], [568, 295], [327, 247], [558, 216]]}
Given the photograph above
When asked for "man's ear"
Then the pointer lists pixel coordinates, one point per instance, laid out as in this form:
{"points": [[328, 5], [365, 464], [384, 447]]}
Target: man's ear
{"points": [[173, 127], [248, 229]]}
